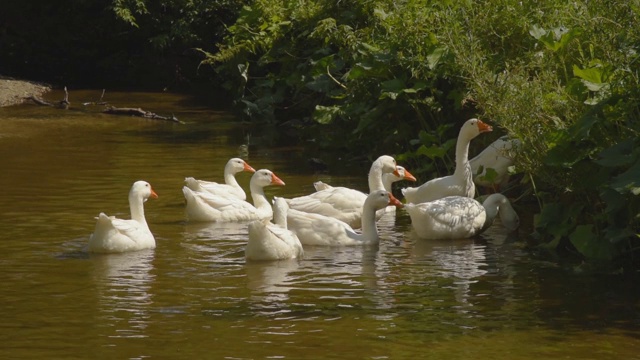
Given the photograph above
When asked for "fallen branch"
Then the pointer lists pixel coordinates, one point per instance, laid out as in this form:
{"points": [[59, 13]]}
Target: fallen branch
{"points": [[138, 112], [62, 104], [99, 102]]}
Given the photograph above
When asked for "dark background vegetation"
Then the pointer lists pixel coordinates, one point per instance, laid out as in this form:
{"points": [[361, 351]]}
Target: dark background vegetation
{"points": [[365, 77], [107, 43]]}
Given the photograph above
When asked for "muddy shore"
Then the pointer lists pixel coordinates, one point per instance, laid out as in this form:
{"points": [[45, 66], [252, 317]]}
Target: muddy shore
{"points": [[13, 92]]}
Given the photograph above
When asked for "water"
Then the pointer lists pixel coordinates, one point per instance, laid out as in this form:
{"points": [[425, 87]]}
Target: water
{"points": [[194, 296]]}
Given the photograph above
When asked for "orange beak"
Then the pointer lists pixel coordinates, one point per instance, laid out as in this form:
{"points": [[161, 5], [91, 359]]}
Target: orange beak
{"points": [[397, 173], [408, 176], [153, 194], [395, 202], [276, 180], [484, 127], [248, 168]]}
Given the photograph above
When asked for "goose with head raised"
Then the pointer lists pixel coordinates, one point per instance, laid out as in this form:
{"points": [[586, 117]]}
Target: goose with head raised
{"points": [[317, 229], [113, 235], [459, 217], [461, 182], [344, 203], [490, 168], [230, 188], [204, 206], [273, 241]]}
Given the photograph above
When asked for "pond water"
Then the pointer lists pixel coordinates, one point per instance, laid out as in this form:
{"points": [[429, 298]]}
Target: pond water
{"points": [[194, 296]]}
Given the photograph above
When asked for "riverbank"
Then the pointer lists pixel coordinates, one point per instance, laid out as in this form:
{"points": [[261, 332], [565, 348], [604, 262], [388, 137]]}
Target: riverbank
{"points": [[13, 92]]}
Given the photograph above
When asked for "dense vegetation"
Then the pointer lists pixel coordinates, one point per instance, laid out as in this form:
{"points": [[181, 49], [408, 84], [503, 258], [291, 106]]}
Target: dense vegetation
{"points": [[365, 77], [400, 76]]}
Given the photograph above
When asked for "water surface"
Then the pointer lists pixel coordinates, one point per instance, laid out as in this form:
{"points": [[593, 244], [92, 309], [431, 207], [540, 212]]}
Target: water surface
{"points": [[194, 296]]}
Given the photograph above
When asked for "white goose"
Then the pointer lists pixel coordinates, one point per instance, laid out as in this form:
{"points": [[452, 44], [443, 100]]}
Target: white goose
{"points": [[113, 235], [497, 156], [461, 182], [204, 206], [230, 188], [387, 179], [316, 229], [459, 217], [344, 203], [273, 241]]}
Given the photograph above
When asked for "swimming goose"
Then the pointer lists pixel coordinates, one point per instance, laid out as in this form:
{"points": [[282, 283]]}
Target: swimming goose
{"points": [[344, 203], [316, 229], [204, 206], [113, 235], [273, 241], [459, 217], [387, 179], [230, 187], [461, 182]]}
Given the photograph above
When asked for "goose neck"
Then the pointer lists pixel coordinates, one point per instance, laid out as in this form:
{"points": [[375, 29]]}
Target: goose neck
{"points": [[259, 199], [369, 229], [136, 206], [375, 178]]}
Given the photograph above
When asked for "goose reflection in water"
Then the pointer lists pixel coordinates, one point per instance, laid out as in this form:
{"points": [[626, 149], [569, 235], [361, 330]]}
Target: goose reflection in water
{"points": [[461, 261], [123, 283]]}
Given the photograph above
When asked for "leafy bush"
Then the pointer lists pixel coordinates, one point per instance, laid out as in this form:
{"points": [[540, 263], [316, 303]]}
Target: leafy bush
{"points": [[400, 76]]}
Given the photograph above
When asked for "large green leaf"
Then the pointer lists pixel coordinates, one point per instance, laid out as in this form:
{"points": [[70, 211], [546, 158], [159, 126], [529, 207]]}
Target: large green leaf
{"points": [[590, 245], [628, 180], [432, 152], [593, 75], [620, 154], [433, 59]]}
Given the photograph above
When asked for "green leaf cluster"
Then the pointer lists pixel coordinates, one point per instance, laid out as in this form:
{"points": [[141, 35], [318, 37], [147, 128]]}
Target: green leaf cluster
{"points": [[381, 76]]}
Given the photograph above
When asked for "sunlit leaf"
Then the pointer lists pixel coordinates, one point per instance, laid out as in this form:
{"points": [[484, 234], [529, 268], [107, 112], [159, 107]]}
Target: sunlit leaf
{"points": [[593, 75], [537, 32], [381, 14], [325, 114]]}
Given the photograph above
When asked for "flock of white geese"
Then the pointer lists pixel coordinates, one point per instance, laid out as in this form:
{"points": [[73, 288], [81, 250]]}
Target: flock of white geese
{"points": [[442, 208]]}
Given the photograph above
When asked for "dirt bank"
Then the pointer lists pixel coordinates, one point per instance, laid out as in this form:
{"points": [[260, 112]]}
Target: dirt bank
{"points": [[14, 92]]}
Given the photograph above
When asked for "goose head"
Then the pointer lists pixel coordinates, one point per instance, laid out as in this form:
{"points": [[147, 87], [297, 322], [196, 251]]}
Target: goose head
{"points": [[380, 199], [388, 165], [236, 165], [142, 190], [474, 127], [403, 174], [264, 177]]}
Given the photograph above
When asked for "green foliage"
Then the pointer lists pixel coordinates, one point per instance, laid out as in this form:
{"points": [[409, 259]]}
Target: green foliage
{"points": [[399, 77]]}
